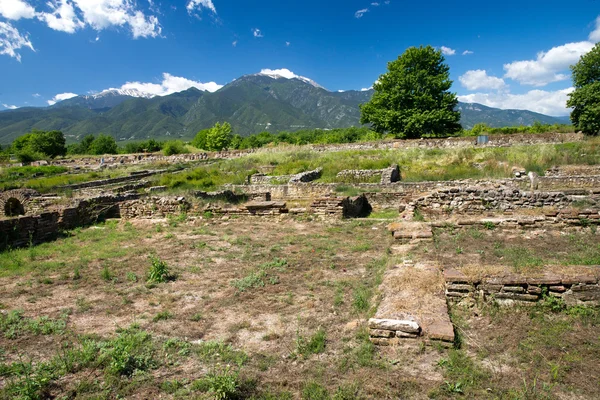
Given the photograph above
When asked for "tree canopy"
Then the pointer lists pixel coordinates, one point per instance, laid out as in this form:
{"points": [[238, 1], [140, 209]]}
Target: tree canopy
{"points": [[585, 99], [216, 138], [40, 144], [412, 99], [103, 144]]}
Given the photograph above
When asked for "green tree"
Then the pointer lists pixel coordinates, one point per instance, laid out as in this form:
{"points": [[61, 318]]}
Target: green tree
{"points": [[218, 137], [199, 140], [585, 99], [413, 99], [103, 144], [39, 144]]}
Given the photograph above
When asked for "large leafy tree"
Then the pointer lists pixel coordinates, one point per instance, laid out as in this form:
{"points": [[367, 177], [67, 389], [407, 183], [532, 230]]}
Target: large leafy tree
{"points": [[40, 144], [413, 99], [103, 144], [219, 137], [585, 99]]}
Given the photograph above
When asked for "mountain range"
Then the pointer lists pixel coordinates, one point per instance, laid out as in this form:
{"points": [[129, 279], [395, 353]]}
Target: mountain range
{"points": [[251, 104]]}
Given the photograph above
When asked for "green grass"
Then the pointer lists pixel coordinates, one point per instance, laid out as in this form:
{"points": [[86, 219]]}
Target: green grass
{"points": [[81, 246], [315, 344], [417, 164], [261, 276]]}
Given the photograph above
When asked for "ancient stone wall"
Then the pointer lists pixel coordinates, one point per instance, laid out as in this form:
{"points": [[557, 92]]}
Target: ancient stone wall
{"points": [[153, 207], [583, 289], [474, 200], [111, 181], [307, 176]]}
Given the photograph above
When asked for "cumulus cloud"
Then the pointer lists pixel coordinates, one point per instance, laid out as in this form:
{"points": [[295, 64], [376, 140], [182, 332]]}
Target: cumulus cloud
{"points": [[11, 40], [595, 35], [198, 5], [479, 79], [360, 13], [447, 51], [16, 9], [257, 33], [62, 18], [546, 102], [61, 97], [549, 66], [102, 14], [467, 52], [9, 106], [170, 84]]}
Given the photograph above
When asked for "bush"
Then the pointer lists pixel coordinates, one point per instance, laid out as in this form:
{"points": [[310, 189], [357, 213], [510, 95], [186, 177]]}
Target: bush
{"points": [[132, 350], [159, 270], [221, 384], [174, 147]]}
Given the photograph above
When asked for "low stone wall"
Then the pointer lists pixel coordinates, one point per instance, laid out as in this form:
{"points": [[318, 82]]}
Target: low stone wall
{"points": [[359, 175], [474, 200], [33, 229], [583, 289], [573, 170], [111, 181], [263, 179], [307, 176], [341, 207], [153, 207], [568, 182]]}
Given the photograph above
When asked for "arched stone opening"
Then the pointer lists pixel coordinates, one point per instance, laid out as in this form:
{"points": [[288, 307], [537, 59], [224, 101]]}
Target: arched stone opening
{"points": [[13, 207]]}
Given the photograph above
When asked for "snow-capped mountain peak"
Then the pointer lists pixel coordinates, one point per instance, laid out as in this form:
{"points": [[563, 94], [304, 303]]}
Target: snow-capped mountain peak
{"points": [[287, 74], [121, 92]]}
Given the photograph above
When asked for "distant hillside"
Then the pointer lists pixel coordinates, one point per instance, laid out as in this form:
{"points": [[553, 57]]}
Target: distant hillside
{"points": [[251, 104], [474, 113]]}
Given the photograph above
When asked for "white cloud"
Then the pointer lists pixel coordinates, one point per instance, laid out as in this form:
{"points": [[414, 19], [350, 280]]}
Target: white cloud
{"points": [[447, 51], [283, 73], [102, 14], [467, 52], [595, 35], [375, 4], [197, 5], [234, 43], [479, 79], [62, 18], [257, 33], [360, 13], [61, 97], [287, 44], [541, 101], [11, 40], [170, 84], [366, 89], [16, 9], [548, 66], [9, 106]]}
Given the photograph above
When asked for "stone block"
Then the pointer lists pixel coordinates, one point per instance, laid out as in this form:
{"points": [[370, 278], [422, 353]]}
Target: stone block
{"points": [[457, 287], [394, 325]]}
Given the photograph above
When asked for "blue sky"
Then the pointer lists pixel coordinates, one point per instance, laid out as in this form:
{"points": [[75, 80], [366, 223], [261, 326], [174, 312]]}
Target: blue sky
{"points": [[508, 54]]}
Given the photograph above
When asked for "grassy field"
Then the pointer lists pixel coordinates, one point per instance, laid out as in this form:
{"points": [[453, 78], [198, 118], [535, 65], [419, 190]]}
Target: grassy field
{"points": [[416, 164], [207, 308]]}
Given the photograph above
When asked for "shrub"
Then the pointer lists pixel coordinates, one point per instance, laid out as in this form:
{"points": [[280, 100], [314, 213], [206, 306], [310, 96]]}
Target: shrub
{"points": [[159, 270], [221, 384], [132, 350], [173, 147]]}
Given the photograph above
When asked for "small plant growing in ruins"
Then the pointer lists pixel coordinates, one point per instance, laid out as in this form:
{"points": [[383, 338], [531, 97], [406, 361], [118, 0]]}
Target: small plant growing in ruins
{"points": [[106, 274], [418, 215], [132, 277], [162, 316], [313, 345], [159, 271], [489, 225]]}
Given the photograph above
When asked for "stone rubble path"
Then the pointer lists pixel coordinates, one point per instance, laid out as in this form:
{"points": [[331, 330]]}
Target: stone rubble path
{"points": [[413, 304]]}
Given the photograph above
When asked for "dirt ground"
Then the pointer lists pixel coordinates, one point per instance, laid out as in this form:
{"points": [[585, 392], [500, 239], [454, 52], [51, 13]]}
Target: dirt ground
{"points": [[264, 288]]}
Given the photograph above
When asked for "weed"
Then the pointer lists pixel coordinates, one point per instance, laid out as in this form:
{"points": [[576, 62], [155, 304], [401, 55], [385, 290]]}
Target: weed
{"points": [[361, 297], [162, 316], [314, 391], [489, 225], [313, 345], [197, 317], [132, 277], [105, 274], [159, 271]]}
